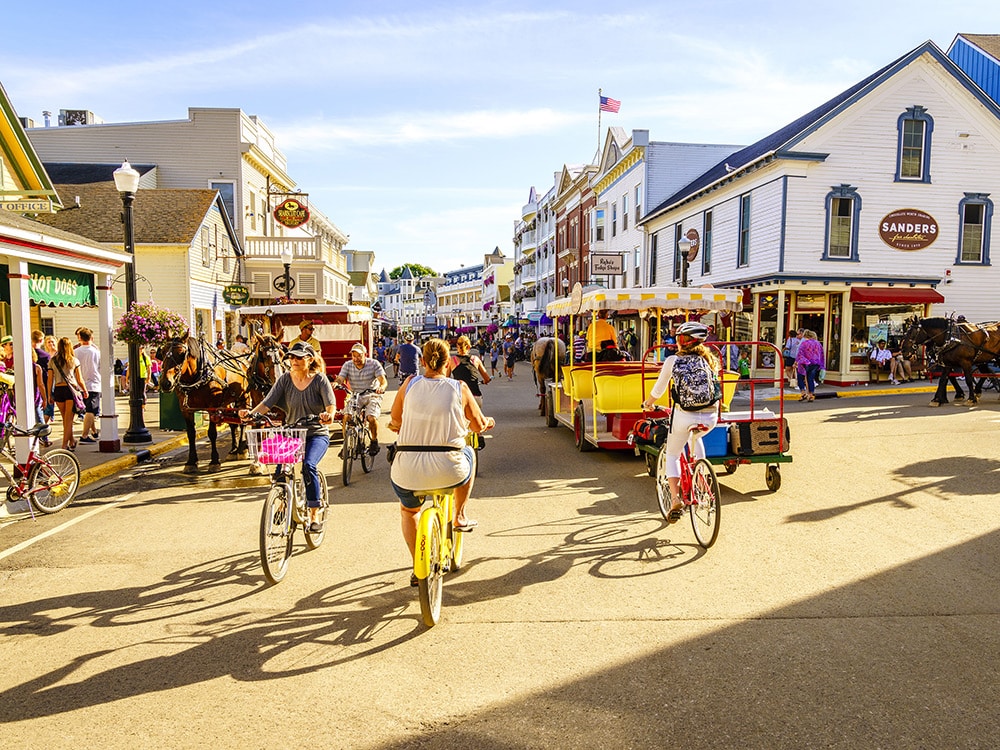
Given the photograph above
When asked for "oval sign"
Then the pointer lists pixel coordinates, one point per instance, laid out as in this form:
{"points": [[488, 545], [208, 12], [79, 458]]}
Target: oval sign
{"points": [[291, 213], [908, 229]]}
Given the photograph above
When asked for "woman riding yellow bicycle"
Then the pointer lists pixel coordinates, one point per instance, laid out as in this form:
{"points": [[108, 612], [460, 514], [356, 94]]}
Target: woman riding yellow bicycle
{"points": [[432, 414]]}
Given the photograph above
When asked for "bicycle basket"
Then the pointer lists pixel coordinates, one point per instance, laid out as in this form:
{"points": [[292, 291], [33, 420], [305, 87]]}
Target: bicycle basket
{"points": [[277, 445]]}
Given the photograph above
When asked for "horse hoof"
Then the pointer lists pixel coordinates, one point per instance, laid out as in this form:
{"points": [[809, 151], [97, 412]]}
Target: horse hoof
{"points": [[255, 470], [959, 399], [214, 467], [243, 455], [190, 469], [934, 403]]}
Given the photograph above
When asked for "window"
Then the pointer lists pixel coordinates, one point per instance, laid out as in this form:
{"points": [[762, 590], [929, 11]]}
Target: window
{"points": [[677, 252], [636, 278], [227, 190], [744, 241], [614, 219], [599, 226], [913, 158], [976, 214], [706, 245], [638, 203], [625, 212], [843, 208], [206, 251], [652, 259], [225, 254]]}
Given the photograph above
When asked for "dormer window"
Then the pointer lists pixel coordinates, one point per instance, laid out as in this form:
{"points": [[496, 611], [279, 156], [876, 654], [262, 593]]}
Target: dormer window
{"points": [[913, 153]]}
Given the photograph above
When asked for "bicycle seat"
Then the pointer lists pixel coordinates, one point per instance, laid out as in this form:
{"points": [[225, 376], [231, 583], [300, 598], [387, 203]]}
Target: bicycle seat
{"points": [[38, 429]]}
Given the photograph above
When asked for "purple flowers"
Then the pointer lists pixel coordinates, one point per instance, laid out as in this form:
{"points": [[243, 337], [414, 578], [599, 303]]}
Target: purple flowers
{"points": [[145, 323]]}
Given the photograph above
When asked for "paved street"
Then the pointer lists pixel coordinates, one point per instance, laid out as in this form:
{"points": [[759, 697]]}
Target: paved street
{"points": [[855, 607]]}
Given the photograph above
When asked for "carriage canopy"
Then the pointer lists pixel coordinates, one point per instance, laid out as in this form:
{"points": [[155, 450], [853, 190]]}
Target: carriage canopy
{"points": [[668, 300]]}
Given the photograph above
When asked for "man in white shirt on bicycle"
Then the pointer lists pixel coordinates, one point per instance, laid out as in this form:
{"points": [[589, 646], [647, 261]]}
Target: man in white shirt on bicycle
{"points": [[361, 373]]}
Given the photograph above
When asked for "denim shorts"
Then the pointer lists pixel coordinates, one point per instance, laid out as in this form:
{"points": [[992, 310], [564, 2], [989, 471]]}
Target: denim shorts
{"points": [[411, 500]]}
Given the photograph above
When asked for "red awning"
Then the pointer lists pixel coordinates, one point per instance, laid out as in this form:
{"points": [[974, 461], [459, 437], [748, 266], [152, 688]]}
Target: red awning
{"points": [[895, 295]]}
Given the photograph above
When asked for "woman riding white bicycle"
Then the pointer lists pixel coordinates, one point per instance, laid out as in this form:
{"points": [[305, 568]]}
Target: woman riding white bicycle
{"points": [[304, 391], [432, 414], [690, 338]]}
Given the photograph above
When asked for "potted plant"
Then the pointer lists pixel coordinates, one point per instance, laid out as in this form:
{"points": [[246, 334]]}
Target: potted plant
{"points": [[145, 323]]}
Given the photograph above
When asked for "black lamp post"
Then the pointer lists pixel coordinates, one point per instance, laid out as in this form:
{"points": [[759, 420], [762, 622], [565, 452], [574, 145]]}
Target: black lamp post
{"points": [[284, 284], [127, 182], [684, 246]]}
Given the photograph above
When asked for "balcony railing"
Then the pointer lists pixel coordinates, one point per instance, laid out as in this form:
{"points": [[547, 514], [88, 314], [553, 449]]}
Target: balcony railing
{"points": [[270, 248]]}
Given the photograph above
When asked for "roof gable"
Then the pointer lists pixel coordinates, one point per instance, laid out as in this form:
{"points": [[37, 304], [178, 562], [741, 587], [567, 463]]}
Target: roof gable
{"points": [[19, 155]]}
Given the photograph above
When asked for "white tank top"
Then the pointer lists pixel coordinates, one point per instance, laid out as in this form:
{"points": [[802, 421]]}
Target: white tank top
{"points": [[432, 415]]}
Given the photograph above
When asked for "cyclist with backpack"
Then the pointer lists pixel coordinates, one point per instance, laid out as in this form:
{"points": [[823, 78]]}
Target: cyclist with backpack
{"points": [[693, 376]]}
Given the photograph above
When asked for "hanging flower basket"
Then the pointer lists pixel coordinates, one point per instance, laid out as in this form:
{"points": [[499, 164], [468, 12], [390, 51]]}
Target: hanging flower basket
{"points": [[145, 323]]}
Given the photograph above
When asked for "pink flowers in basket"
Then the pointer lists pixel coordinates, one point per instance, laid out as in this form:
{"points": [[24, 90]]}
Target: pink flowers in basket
{"points": [[279, 449]]}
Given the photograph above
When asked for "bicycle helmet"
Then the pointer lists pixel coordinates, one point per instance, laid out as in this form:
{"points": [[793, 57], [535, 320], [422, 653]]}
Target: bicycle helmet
{"points": [[693, 330]]}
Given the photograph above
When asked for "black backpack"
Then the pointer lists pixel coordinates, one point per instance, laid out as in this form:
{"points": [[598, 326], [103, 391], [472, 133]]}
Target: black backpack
{"points": [[696, 384]]}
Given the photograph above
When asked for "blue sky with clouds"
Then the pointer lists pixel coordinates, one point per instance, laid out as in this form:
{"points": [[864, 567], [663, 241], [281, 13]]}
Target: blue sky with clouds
{"points": [[419, 128]]}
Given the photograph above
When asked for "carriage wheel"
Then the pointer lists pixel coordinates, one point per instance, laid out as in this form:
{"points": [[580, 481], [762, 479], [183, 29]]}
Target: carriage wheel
{"points": [[580, 430]]}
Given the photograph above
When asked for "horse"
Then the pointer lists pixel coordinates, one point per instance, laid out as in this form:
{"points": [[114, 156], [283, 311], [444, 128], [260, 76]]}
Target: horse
{"points": [[955, 345], [543, 363], [201, 387]]}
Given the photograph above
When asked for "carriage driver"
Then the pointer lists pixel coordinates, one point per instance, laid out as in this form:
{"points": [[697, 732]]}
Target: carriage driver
{"points": [[363, 372]]}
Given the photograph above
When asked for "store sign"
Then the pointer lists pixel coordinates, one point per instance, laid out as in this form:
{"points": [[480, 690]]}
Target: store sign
{"points": [[40, 206], [53, 286], [908, 229], [236, 294], [606, 264], [291, 213]]}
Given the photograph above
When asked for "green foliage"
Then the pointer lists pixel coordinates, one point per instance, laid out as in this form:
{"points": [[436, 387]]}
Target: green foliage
{"points": [[416, 269], [145, 323]]}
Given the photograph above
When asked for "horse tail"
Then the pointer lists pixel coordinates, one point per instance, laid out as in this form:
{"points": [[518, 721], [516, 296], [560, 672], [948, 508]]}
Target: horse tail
{"points": [[547, 364]]}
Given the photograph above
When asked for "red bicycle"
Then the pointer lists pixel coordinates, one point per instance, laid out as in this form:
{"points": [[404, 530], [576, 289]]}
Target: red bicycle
{"points": [[699, 490]]}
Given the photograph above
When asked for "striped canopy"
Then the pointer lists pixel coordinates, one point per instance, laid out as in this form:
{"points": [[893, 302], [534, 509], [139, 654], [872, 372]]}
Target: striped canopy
{"points": [[668, 300]]}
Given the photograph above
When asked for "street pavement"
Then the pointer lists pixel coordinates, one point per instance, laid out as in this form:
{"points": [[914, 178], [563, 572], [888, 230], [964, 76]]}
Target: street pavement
{"points": [[855, 607]]}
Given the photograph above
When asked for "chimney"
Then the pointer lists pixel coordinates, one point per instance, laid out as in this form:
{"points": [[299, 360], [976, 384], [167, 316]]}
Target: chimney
{"points": [[47, 115]]}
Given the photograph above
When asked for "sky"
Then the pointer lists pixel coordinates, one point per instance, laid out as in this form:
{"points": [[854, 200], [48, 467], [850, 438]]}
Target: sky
{"points": [[420, 128]]}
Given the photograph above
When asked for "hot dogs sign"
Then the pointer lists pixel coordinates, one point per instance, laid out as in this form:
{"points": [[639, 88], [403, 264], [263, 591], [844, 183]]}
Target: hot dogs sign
{"points": [[908, 229]]}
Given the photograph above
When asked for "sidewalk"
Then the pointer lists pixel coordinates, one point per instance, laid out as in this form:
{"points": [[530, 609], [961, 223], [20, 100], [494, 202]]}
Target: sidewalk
{"points": [[95, 465], [847, 391]]}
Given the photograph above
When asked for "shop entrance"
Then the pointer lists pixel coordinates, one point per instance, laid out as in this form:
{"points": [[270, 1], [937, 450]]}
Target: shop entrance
{"points": [[811, 321]]}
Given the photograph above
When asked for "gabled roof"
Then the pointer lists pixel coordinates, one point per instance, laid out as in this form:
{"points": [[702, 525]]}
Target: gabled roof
{"points": [[384, 277], [16, 221], [407, 274], [781, 143], [20, 154], [614, 147], [160, 216]]}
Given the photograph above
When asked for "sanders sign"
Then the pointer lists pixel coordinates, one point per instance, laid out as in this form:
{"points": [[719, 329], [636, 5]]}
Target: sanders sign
{"points": [[908, 229]]}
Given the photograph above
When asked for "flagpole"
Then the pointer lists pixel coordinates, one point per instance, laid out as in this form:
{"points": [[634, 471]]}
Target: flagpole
{"points": [[598, 122]]}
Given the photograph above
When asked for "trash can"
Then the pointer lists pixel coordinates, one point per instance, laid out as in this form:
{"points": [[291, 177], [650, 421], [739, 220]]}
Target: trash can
{"points": [[170, 412]]}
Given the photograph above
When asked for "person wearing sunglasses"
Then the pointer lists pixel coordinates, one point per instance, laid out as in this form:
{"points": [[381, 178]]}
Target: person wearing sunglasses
{"points": [[306, 328], [304, 391]]}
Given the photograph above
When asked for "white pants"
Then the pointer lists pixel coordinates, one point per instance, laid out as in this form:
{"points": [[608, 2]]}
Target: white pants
{"points": [[680, 428]]}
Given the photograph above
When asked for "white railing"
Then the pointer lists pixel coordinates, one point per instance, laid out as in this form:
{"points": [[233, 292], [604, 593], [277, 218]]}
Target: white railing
{"points": [[271, 248]]}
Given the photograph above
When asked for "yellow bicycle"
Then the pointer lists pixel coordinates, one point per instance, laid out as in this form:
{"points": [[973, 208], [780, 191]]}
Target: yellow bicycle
{"points": [[439, 550]]}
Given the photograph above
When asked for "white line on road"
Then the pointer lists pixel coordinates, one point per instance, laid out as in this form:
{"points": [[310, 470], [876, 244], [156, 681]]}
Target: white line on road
{"points": [[57, 529]]}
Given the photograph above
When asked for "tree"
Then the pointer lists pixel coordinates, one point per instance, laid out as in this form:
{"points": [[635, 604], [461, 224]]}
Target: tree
{"points": [[415, 268]]}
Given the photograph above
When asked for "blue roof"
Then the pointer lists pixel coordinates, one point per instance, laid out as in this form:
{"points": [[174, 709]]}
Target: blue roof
{"points": [[780, 141], [406, 273]]}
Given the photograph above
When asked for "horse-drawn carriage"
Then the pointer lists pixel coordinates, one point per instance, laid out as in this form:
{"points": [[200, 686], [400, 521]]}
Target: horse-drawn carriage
{"points": [[956, 348]]}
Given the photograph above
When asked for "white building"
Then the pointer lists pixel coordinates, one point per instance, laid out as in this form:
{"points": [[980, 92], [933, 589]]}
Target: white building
{"points": [[228, 150], [872, 207]]}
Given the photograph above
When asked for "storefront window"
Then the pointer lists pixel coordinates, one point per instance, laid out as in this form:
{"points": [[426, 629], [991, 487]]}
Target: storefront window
{"points": [[873, 323], [833, 345], [768, 328]]}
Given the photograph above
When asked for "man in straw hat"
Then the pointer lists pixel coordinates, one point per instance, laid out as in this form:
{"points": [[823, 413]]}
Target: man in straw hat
{"points": [[306, 328]]}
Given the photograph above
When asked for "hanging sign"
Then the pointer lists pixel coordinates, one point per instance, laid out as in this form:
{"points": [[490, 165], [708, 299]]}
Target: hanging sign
{"points": [[235, 294], [291, 213], [908, 229], [606, 264]]}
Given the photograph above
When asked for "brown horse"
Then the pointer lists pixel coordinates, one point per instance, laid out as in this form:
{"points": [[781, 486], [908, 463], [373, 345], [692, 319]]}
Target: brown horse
{"points": [[544, 353], [201, 387], [956, 346]]}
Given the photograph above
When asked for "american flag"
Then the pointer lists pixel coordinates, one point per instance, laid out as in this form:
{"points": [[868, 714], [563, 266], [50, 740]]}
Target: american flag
{"points": [[610, 105]]}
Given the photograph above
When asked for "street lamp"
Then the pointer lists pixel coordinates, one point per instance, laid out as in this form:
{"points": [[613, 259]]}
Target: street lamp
{"points": [[684, 246], [284, 284], [127, 182]]}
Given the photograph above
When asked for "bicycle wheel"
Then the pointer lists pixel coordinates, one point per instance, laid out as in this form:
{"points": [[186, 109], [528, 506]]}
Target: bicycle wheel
{"points": [[350, 446], [315, 538], [276, 533], [53, 480], [705, 505], [662, 485], [429, 539], [364, 445]]}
